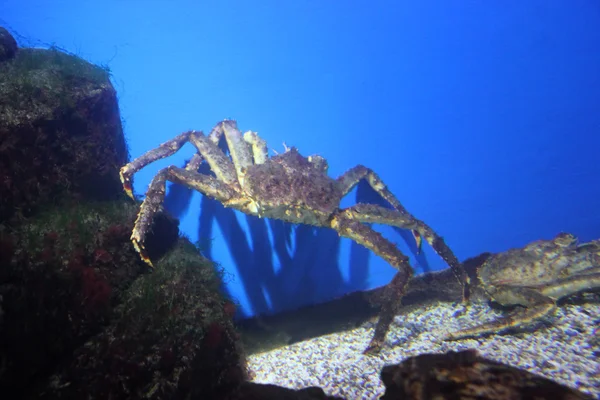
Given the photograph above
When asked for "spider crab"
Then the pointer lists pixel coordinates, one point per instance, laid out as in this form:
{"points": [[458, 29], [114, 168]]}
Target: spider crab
{"points": [[288, 187], [535, 276]]}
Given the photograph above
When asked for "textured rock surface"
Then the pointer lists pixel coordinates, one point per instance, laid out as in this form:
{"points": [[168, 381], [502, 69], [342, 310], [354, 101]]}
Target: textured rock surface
{"points": [[81, 316], [60, 131]]}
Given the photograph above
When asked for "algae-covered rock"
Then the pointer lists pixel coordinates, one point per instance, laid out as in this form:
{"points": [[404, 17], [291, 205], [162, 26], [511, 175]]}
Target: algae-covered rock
{"points": [[172, 337], [60, 130], [78, 304], [81, 315], [61, 273]]}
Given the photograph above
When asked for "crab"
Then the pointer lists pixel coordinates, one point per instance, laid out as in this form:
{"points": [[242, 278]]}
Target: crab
{"points": [[291, 188], [535, 277]]}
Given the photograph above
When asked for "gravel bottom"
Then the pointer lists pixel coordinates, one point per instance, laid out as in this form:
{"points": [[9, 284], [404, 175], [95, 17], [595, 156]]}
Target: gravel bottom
{"points": [[567, 351]]}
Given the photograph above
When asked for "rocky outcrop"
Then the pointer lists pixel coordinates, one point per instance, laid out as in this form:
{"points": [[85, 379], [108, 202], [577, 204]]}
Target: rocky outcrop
{"points": [[60, 130], [81, 316]]}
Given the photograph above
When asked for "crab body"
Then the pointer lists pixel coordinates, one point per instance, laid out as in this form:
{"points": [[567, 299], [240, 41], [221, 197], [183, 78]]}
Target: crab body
{"points": [[291, 188], [535, 277]]}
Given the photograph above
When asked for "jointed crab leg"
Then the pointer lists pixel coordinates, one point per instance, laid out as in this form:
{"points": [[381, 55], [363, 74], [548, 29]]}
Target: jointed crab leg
{"points": [[371, 213], [540, 303], [401, 218], [350, 223], [395, 290], [164, 150], [229, 129], [350, 179], [258, 150], [207, 150], [259, 147], [155, 195], [245, 150], [228, 172], [540, 307], [219, 163]]}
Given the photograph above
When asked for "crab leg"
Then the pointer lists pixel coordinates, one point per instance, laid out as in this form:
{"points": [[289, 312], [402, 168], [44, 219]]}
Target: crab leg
{"points": [[259, 147], [217, 188], [205, 184], [395, 290], [245, 150], [239, 149], [219, 163], [370, 213], [540, 306], [164, 150], [349, 179]]}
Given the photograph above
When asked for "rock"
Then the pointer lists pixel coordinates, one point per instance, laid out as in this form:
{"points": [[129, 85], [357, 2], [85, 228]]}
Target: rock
{"points": [[466, 375], [61, 273], [8, 45], [81, 316], [172, 336], [60, 132]]}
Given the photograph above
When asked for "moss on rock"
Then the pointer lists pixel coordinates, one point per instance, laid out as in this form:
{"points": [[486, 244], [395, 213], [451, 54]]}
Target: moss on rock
{"points": [[172, 337], [60, 131]]}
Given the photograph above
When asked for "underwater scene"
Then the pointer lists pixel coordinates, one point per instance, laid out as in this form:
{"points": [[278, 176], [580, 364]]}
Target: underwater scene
{"points": [[299, 200]]}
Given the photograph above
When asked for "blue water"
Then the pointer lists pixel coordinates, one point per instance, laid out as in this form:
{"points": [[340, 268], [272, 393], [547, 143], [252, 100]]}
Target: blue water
{"points": [[482, 117]]}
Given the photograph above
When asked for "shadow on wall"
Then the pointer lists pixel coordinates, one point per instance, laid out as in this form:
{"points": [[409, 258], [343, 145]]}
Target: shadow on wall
{"points": [[308, 269]]}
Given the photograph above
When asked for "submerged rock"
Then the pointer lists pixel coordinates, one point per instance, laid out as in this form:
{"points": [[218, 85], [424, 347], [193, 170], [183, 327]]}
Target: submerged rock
{"points": [[8, 45], [60, 130], [466, 375], [81, 316]]}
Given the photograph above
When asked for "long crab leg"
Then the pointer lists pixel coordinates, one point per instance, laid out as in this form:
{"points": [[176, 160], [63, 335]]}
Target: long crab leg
{"points": [[349, 179], [539, 307], [540, 302], [166, 149], [207, 150], [400, 217], [395, 290], [205, 184], [245, 150], [371, 213], [259, 147], [219, 163], [239, 150]]}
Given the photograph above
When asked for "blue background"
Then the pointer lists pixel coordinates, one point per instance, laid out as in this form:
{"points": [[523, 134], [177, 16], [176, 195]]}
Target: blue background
{"points": [[481, 116]]}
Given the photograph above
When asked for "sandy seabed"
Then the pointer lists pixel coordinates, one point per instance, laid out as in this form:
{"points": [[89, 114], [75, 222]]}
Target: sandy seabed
{"points": [[566, 351]]}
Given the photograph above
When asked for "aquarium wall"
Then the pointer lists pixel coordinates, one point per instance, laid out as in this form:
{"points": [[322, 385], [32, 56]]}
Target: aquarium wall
{"points": [[481, 117]]}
